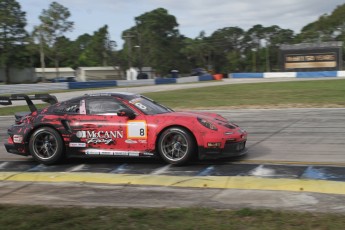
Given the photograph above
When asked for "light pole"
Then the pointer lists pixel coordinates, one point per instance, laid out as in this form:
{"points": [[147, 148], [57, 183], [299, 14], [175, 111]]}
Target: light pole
{"points": [[140, 63], [129, 56], [254, 59], [139, 46], [267, 57]]}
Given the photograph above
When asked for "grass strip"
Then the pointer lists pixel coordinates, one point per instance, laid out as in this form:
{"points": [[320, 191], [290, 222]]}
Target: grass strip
{"points": [[283, 94], [322, 93], [42, 217]]}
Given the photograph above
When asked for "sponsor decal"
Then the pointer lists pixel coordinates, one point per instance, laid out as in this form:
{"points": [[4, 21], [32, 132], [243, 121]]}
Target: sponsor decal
{"points": [[112, 153], [92, 152], [17, 138], [81, 134], [77, 144], [142, 141], [107, 153], [120, 153], [133, 154], [147, 154], [96, 137], [96, 141], [129, 141]]}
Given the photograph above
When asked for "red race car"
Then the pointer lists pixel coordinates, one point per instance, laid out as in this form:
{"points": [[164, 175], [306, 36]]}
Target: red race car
{"points": [[119, 125]]}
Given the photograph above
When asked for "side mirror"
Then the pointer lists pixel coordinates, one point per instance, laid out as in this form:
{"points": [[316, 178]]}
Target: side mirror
{"points": [[126, 113]]}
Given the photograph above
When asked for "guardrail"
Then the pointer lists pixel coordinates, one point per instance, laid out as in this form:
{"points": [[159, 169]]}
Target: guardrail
{"points": [[44, 87], [41, 87]]}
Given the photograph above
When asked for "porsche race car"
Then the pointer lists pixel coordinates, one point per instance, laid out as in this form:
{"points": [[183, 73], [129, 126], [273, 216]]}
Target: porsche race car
{"points": [[119, 125]]}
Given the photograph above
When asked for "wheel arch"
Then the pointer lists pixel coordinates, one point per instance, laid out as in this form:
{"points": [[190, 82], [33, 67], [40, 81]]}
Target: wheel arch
{"points": [[176, 126], [27, 138]]}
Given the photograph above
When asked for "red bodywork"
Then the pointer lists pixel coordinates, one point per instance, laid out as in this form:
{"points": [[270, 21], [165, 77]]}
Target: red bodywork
{"points": [[109, 134]]}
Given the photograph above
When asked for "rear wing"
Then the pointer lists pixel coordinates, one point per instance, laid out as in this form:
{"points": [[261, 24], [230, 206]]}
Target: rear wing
{"points": [[7, 100]]}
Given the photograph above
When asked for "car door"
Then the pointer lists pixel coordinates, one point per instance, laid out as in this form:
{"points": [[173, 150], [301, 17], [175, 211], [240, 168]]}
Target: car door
{"points": [[100, 131]]}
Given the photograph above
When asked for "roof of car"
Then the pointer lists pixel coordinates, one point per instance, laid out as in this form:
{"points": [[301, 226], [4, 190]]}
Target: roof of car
{"points": [[124, 95]]}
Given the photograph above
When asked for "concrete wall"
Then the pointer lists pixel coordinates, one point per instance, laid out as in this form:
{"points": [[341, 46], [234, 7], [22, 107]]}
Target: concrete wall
{"points": [[24, 75], [99, 73], [50, 73]]}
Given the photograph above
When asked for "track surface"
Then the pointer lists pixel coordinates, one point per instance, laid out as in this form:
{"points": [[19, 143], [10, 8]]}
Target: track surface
{"points": [[305, 136], [295, 150]]}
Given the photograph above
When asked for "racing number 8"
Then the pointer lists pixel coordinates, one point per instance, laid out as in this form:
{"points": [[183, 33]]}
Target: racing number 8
{"points": [[142, 132], [140, 106], [136, 129]]}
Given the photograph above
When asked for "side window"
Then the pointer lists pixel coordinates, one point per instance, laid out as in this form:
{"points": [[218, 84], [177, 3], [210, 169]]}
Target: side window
{"points": [[69, 107], [103, 106]]}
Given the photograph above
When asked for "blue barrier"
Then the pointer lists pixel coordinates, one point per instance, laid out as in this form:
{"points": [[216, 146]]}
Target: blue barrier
{"points": [[247, 75], [206, 77], [91, 84], [159, 81], [316, 74], [43, 87]]}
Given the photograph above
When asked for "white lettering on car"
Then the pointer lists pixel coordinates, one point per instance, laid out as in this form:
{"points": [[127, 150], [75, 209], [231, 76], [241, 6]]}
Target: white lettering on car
{"points": [[95, 137]]}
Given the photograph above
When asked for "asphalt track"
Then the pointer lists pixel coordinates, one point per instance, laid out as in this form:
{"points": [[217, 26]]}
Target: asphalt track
{"points": [[295, 160]]}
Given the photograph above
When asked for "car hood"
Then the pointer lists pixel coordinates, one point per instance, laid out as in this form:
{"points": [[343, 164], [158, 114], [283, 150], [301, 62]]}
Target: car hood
{"points": [[193, 114], [188, 115]]}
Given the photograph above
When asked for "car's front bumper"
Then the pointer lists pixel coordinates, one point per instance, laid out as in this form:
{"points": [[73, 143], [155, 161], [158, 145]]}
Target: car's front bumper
{"points": [[231, 149]]}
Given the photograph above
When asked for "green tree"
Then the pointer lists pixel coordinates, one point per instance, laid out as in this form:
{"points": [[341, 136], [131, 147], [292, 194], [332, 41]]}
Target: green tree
{"points": [[12, 36], [198, 51], [261, 47], [326, 28], [98, 50], [65, 51], [158, 41], [78, 48], [273, 37], [54, 24], [228, 45]]}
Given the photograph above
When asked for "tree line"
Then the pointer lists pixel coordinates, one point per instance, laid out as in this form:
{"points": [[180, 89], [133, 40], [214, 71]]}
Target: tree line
{"points": [[154, 41]]}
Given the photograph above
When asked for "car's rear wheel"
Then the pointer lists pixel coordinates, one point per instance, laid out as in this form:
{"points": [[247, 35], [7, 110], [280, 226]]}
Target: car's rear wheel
{"points": [[46, 146], [176, 146]]}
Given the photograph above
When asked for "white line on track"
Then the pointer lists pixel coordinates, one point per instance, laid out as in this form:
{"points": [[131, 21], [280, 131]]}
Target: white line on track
{"points": [[160, 170], [3, 165], [76, 168]]}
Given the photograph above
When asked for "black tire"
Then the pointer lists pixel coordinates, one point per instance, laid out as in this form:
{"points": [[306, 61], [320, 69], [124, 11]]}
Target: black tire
{"points": [[176, 146], [46, 146]]}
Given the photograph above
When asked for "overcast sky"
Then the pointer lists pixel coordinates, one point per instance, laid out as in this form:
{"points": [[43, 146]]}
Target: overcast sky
{"points": [[192, 16]]}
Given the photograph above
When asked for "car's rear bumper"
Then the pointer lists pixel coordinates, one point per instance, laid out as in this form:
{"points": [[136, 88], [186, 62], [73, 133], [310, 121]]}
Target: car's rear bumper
{"points": [[231, 149], [12, 148]]}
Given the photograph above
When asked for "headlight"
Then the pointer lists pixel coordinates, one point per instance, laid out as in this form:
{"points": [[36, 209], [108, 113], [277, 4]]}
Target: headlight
{"points": [[207, 124]]}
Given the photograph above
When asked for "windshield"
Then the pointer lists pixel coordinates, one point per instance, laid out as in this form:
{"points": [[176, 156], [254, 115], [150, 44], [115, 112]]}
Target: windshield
{"points": [[149, 106]]}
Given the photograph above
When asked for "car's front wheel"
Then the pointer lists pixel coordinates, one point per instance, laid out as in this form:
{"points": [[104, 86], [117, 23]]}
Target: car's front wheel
{"points": [[176, 146], [46, 146]]}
